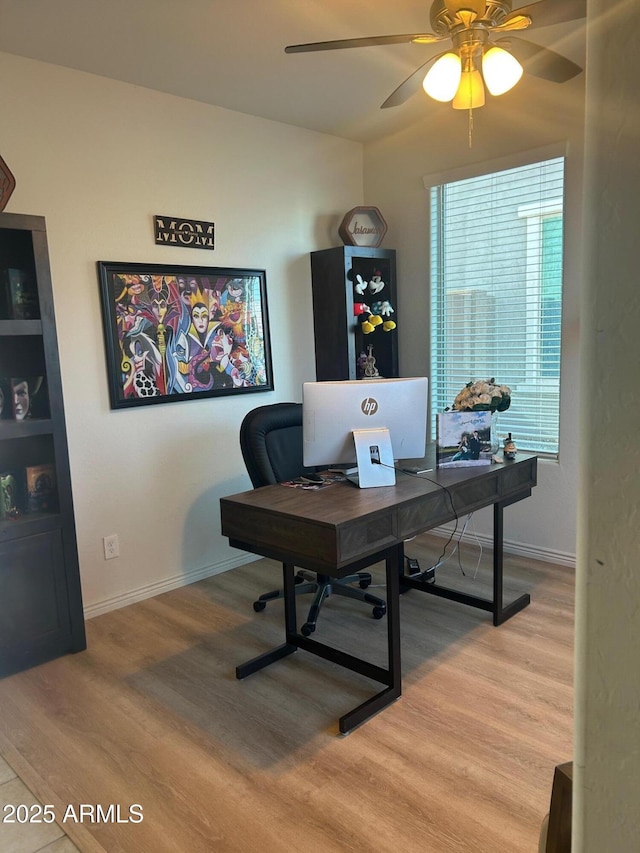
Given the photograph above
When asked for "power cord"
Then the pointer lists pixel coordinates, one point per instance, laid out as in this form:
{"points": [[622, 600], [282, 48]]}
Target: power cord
{"points": [[428, 575]]}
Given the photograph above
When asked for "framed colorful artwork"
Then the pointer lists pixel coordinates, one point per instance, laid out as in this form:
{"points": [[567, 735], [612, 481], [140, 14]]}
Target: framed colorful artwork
{"points": [[180, 333]]}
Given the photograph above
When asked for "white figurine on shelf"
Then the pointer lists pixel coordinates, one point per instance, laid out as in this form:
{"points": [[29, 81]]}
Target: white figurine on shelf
{"points": [[360, 286]]}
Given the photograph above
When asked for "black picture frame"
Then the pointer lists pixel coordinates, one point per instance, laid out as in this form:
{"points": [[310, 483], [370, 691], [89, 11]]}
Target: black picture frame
{"points": [[175, 333]]}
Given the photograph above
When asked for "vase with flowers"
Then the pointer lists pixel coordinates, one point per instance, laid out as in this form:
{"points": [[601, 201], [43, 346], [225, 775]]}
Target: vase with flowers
{"points": [[484, 395]]}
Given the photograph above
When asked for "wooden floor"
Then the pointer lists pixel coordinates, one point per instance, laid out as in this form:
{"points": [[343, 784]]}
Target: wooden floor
{"points": [[152, 714]]}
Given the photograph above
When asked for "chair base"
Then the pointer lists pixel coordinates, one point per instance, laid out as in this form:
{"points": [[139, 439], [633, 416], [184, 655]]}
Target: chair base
{"points": [[323, 586]]}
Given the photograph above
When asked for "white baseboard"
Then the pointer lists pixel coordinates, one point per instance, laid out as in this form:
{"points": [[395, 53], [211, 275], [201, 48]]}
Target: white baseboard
{"points": [[166, 585], [520, 549], [535, 552]]}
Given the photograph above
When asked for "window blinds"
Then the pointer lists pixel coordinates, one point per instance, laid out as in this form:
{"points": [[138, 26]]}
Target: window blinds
{"points": [[496, 294]]}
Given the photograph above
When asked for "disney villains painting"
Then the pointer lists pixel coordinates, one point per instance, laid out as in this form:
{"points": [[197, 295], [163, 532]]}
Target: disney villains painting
{"points": [[177, 333]]}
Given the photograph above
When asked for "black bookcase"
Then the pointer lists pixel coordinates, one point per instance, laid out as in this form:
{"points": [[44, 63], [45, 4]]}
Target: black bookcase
{"points": [[41, 613], [339, 341]]}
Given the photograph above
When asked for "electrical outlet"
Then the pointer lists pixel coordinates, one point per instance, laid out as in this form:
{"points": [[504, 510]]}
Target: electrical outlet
{"points": [[111, 546]]}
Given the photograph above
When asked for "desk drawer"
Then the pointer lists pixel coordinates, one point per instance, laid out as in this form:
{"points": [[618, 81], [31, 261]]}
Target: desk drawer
{"points": [[366, 537], [423, 514], [442, 506], [517, 477]]}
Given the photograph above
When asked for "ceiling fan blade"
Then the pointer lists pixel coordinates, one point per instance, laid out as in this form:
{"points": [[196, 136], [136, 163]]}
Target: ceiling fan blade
{"points": [[515, 22], [371, 41], [545, 13], [540, 61], [410, 86]]}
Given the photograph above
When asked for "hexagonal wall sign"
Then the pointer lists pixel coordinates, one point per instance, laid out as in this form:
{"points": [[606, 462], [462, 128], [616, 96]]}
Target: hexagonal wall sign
{"points": [[7, 184], [363, 226]]}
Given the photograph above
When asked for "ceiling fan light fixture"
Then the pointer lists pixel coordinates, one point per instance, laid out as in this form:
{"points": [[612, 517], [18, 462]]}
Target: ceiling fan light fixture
{"points": [[443, 78], [470, 94], [501, 70]]}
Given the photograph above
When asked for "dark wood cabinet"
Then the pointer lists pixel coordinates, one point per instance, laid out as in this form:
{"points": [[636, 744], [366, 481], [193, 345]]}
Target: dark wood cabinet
{"points": [[41, 614], [559, 832], [340, 343]]}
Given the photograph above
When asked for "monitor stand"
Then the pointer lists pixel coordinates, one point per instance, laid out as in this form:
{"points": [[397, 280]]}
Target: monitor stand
{"points": [[374, 457]]}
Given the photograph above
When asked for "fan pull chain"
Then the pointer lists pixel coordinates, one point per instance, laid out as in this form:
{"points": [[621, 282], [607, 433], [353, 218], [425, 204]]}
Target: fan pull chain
{"points": [[470, 127]]}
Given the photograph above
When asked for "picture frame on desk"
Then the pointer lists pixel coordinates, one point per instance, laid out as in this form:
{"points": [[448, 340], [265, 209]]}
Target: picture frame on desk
{"points": [[176, 333], [463, 439]]}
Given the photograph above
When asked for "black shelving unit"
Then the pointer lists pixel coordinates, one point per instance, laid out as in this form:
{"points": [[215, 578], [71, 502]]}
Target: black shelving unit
{"points": [[41, 614], [339, 340]]}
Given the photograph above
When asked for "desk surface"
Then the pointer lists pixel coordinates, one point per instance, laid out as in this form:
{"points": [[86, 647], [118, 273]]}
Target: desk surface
{"points": [[329, 529]]}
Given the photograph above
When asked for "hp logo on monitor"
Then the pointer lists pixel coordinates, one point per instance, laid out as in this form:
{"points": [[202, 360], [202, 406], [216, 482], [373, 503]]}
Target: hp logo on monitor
{"points": [[369, 406]]}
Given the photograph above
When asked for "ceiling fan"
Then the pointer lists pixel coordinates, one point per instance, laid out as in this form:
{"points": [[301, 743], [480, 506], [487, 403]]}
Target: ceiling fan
{"points": [[479, 56]]}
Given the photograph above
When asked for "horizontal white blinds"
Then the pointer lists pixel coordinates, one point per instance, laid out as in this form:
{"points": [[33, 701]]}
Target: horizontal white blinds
{"points": [[496, 294]]}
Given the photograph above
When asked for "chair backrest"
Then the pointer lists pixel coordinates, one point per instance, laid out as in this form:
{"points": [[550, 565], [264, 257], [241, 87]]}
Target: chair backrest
{"points": [[271, 443]]}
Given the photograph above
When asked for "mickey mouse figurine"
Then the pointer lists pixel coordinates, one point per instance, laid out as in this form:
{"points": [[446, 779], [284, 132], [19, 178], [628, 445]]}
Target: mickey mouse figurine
{"points": [[376, 284]]}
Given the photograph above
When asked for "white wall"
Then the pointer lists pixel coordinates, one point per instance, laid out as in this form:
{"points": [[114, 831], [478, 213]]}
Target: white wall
{"points": [[394, 169], [98, 159], [607, 756]]}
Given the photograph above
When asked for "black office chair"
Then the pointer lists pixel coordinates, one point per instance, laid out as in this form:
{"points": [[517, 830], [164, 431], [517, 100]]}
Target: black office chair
{"points": [[271, 444]]}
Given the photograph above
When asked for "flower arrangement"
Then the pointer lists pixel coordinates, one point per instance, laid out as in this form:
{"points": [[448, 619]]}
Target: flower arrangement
{"points": [[483, 396]]}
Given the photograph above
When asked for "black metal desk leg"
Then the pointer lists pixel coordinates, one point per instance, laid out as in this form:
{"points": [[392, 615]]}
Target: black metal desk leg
{"points": [[290, 615], [501, 613], [287, 648], [393, 564]]}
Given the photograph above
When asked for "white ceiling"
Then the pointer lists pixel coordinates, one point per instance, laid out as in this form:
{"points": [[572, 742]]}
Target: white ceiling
{"points": [[231, 53]]}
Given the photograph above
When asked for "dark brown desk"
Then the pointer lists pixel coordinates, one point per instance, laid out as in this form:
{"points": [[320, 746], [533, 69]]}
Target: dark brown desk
{"points": [[342, 529]]}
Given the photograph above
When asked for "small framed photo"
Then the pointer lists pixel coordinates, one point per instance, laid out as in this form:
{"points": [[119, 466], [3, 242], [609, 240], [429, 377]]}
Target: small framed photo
{"points": [[463, 439], [181, 333]]}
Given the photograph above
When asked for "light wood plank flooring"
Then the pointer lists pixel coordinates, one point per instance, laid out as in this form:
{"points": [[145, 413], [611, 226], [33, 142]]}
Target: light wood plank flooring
{"points": [[152, 714]]}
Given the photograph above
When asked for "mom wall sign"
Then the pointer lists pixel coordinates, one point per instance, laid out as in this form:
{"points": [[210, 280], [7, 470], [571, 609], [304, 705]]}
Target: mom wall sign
{"points": [[192, 233]]}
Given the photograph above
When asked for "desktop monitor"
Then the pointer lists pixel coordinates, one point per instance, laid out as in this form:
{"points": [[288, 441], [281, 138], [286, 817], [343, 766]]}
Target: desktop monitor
{"points": [[332, 411]]}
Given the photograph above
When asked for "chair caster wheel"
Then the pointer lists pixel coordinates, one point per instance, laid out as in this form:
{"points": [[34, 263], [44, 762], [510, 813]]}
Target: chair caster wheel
{"points": [[364, 584], [379, 611], [259, 605], [307, 629]]}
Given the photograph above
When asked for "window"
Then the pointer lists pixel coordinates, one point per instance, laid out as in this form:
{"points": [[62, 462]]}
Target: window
{"points": [[496, 293]]}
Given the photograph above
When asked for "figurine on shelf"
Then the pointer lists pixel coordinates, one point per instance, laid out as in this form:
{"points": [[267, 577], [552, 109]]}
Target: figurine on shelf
{"points": [[384, 309], [361, 285], [366, 327], [360, 308], [376, 284], [380, 312], [369, 369], [510, 448]]}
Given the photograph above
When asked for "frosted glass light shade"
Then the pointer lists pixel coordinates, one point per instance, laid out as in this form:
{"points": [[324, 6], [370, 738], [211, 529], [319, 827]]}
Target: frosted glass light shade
{"points": [[443, 78], [470, 92], [501, 70]]}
